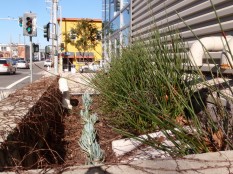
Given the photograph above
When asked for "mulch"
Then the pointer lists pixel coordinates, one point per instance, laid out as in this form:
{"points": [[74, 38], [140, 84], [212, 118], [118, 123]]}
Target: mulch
{"points": [[73, 126]]}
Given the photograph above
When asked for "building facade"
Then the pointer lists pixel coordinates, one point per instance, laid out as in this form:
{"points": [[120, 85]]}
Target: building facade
{"points": [[70, 55], [116, 16], [14, 50], [191, 18]]}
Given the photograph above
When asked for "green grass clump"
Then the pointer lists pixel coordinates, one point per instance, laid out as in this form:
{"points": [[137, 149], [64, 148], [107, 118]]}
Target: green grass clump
{"points": [[151, 86], [145, 90]]}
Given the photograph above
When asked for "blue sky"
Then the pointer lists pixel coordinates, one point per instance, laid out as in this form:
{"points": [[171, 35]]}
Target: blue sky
{"points": [[11, 32]]}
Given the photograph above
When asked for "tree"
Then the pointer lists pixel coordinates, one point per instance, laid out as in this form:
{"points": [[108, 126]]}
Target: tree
{"points": [[84, 36]]}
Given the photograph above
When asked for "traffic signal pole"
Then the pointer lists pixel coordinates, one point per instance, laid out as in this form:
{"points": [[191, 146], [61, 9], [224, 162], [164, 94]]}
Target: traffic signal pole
{"points": [[30, 29], [31, 52]]}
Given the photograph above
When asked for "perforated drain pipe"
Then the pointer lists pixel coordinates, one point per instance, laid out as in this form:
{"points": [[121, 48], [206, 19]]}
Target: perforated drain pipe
{"points": [[63, 87], [198, 48]]}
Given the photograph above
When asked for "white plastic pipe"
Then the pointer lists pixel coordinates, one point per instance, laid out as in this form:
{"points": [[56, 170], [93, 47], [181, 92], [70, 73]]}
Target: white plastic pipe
{"points": [[63, 87], [226, 58], [197, 50]]}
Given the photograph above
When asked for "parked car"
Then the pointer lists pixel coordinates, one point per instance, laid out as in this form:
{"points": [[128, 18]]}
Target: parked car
{"points": [[35, 59], [48, 62], [22, 64], [92, 66], [19, 58], [7, 66], [14, 61]]}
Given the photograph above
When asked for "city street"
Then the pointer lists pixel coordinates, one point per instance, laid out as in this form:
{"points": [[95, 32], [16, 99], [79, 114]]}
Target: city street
{"points": [[10, 83]]}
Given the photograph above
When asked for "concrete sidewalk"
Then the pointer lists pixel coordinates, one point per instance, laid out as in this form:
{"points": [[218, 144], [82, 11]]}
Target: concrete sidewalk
{"points": [[79, 83], [208, 163]]}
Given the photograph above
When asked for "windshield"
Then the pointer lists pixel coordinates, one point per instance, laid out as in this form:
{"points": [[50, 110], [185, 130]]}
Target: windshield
{"points": [[3, 62]]}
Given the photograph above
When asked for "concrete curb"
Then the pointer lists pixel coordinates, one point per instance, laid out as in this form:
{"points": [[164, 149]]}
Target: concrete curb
{"points": [[208, 163]]}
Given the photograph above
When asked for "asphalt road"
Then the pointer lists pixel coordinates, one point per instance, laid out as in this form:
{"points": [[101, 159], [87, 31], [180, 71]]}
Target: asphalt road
{"points": [[9, 83]]}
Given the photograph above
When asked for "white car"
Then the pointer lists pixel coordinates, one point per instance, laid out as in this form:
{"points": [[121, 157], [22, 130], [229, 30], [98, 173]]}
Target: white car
{"points": [[48, 63], [22, 64], [92, 66], [7, 66]]}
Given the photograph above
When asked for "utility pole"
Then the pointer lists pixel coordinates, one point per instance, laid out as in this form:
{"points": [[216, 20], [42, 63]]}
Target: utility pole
{"points": [[54, 35], [60, 39], [10, 46], [19, 39]]}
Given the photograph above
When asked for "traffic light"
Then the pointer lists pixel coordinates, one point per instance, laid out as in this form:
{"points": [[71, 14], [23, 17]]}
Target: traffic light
{"points": [[29, 24], [35, 48], [20, 21], [117, 5], [47, 49], [62, 46], [98, 36], [47, 31]]}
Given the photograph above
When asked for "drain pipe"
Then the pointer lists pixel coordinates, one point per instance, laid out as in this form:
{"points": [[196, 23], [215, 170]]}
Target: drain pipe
{"points": [[63, 87], [198, 48], [226, 58]]}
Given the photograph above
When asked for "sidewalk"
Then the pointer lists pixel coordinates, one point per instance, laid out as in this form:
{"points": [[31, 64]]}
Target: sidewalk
{"points": [[77, 82], [208, 163]]}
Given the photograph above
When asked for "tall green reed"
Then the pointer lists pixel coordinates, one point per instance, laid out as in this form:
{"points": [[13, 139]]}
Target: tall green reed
{"points": [[148, 88], [145, 90]]}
